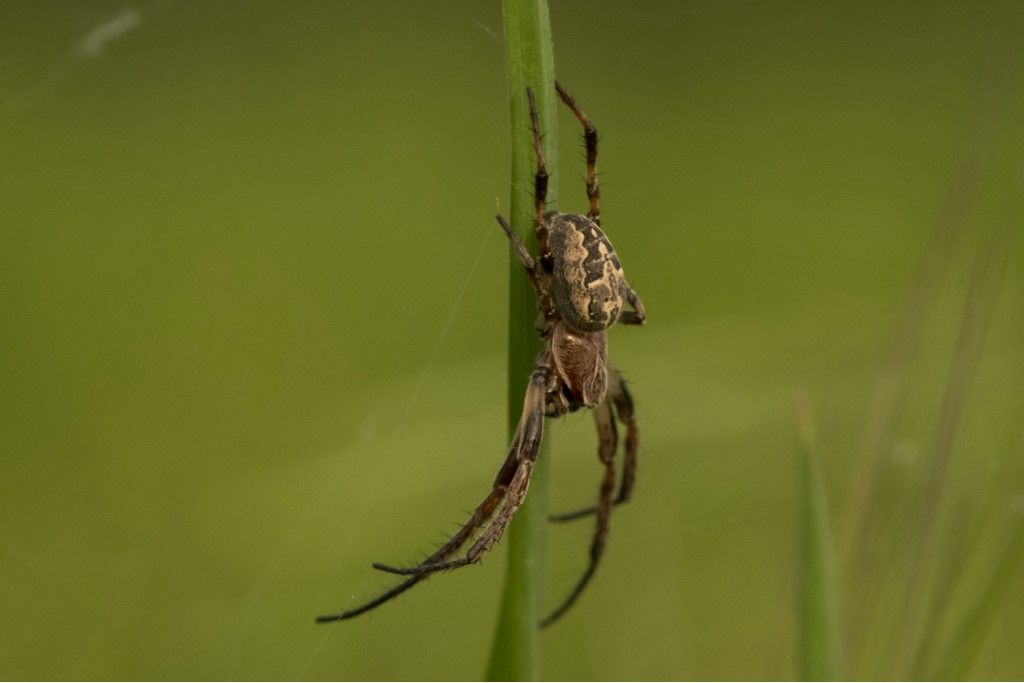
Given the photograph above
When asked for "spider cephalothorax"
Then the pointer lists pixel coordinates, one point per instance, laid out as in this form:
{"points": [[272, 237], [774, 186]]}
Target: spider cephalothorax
{"points": [[581, 292]]}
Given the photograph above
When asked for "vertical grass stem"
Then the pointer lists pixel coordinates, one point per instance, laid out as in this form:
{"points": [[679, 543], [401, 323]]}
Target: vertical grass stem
{"points": [[530, 62]]}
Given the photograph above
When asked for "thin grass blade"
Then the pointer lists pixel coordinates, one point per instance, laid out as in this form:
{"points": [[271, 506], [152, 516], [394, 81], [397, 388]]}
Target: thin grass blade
{"points": [[515, 652], [817, 618]]}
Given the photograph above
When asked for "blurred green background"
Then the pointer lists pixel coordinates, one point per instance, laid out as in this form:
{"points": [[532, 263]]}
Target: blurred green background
{"points": [[252, 332]]}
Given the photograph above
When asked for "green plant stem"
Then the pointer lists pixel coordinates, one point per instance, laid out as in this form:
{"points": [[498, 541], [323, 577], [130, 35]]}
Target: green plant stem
{"points": [[817, 613], [530, 62]]}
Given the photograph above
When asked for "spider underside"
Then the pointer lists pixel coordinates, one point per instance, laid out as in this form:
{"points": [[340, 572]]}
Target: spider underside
{"points": [[581, 291]]}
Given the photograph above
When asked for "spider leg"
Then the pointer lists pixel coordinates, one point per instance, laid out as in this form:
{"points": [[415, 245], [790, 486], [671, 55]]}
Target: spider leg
{"points": [[638, 316], [623, 400], [515, 495], [502, 482], [607, 443], [590, 140], [479, 516], [513, 479], [483, 512], [540, 181], [533, 272], [524, 255], [624, 406], [376, 602]]}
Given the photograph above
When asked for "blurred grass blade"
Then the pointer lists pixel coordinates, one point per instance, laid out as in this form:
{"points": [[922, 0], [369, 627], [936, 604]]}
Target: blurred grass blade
{"points": [[931, 570], [973, 624], [880, 574], [817, 647], [530, 62], [992, 90]]}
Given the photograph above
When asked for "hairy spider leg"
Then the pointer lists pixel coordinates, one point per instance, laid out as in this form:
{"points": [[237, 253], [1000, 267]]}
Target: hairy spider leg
{"points": [[482, 513], [524, 256], [502, 481], [544, 302], [590, 140], [523, 454], [608, 439], [623, 400], [540, 184], [638, 316]]}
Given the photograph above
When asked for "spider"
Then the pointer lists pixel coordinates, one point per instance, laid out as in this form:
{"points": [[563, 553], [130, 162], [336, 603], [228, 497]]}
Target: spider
{"points": [[580, 291]]}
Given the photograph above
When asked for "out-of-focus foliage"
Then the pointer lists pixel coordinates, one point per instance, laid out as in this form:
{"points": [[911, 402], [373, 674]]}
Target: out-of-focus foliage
{"points": [[252, 333]]}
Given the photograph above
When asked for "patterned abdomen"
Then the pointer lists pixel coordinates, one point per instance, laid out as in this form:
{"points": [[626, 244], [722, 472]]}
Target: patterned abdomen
{"points": [[587, 274]]}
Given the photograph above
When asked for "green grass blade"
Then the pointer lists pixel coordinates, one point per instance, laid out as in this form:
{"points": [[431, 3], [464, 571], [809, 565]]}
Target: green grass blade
{"points": [[931, 568], [530, 62], [974, 623], [817, 626]]}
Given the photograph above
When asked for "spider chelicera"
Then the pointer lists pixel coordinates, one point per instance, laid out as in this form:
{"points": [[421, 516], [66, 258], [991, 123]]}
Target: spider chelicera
{"points": [[580, 290]]}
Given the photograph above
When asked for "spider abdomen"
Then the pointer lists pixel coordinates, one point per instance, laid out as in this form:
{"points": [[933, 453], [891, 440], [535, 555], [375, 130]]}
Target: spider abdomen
{"points": [[587, 276]]}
